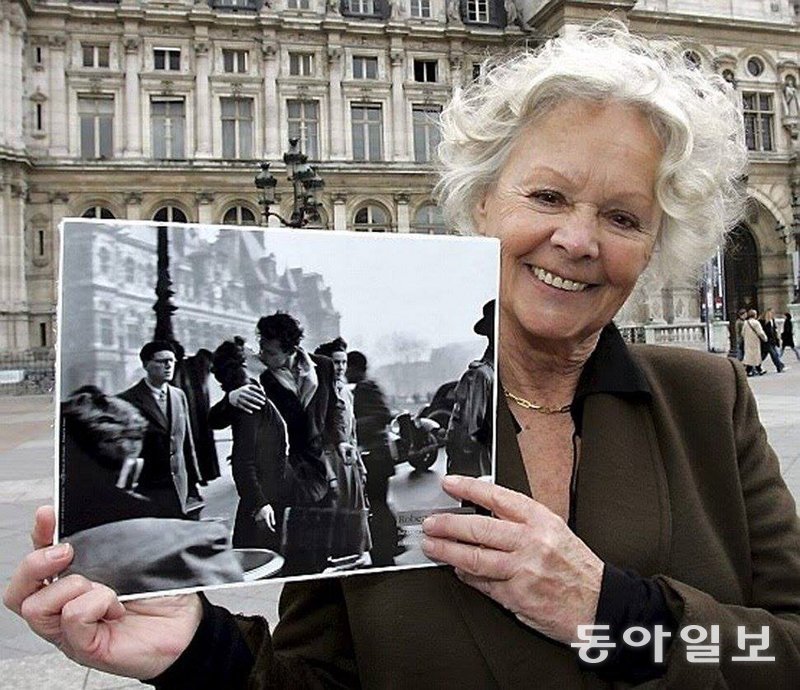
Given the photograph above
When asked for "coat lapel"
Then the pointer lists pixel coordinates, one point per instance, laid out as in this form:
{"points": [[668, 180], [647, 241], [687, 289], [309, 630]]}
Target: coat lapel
{"points": [[149, 407], [620, 479]]}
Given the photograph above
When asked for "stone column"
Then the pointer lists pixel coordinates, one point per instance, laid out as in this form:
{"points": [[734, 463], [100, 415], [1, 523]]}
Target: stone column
{"points": [[403, 218], [202, 103], [339, 211], [15, 334], [133, 206], [205, 209], [59, 209], [456, 70], [399, 148], [5, 75], [133, 107], [17, 27], [59, 121], [336, 119], [272, 136]]}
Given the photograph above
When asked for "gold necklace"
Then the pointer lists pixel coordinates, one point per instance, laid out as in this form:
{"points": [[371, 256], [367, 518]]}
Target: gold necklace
{"points": [[528, 405]]}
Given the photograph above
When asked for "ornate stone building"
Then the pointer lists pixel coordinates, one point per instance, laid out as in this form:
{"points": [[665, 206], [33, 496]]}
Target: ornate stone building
{"points": [[161, 110]]}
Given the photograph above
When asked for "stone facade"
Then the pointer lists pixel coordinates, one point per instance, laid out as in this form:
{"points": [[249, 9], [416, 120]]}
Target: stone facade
{"points": [[134, 108]]}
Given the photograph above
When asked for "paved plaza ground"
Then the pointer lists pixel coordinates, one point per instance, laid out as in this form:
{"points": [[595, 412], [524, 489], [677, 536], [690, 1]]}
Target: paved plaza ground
{"points": [[26, 481]]}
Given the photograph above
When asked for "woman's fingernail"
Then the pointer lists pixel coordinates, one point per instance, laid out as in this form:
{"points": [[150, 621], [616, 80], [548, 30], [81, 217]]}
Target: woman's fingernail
{"points": [[58, 551], [427, 545], [428, 523]]}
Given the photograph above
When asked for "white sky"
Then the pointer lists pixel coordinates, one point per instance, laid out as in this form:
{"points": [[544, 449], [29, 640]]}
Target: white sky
{"points": [[429, 286]]}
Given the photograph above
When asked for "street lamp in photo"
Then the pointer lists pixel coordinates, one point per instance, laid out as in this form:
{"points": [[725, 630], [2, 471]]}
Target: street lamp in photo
{"points": [[307, 187]]}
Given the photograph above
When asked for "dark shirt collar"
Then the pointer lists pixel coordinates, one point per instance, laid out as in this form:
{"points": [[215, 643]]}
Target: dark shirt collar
{"points": [[609, 369]]}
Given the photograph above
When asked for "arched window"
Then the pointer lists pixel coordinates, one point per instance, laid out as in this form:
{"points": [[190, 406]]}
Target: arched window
{"points": [[170, 214], [97, 212], [239, 215], [371, 219], [429, 220]]}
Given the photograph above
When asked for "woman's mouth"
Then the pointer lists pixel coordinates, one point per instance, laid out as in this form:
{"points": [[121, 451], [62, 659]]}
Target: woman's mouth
{"points": [[557, 281]]}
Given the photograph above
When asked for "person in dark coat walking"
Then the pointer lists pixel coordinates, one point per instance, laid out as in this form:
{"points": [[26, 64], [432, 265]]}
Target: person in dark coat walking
{"points": [[770, 345], [787, 336]]}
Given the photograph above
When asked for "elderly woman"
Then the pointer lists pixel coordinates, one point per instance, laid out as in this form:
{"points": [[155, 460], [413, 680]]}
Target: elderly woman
{"points": [[635, 485]]}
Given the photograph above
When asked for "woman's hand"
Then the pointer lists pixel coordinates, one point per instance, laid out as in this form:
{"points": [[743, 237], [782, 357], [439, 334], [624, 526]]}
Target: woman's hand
{"points": [[525, 558], [267, 516], [87, 622]]}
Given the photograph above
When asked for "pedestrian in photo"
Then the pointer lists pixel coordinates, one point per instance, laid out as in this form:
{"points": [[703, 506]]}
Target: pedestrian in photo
{"points": [[741, 317], [636, 489], [168, 447], [258, 457], [372, 421], [469, 433], [787, 336], [351, 535], [301, 386], [772, 343], [754, 338]]}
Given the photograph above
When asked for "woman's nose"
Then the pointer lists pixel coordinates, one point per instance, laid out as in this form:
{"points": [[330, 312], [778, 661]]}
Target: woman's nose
{"points": [[577, 233]]}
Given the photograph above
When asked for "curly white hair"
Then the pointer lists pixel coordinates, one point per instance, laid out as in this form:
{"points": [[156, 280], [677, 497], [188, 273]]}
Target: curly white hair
{"points": [[694, 113]]}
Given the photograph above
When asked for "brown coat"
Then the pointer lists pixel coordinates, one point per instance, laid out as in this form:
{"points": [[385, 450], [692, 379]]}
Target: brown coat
{"points": [[683, 487]]}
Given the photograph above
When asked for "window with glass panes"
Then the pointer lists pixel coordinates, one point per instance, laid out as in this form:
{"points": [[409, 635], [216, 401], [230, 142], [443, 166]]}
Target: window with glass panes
{"points": [[758, 121], [97, 212], [367, 126], [426, 131], [237, 127], [94, 55], [234, 60], [425, 70], [421, 9], [365, 67], [239, 215], [167, 59], [478, 11], [371, 219], [429, 219], [303, 119], [301, 64], [96, 116], [299, 4], [361, 6], [169, 214], [168, 127]]}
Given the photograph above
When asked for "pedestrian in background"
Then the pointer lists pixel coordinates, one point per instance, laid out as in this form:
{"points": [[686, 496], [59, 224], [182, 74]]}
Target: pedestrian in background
{"points": [[741, 317], [753, 335], [787, 336], [770, 346]]}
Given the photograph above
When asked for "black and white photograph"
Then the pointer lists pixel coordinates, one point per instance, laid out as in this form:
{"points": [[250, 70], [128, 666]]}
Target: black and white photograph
{"points": [[239, 404]]}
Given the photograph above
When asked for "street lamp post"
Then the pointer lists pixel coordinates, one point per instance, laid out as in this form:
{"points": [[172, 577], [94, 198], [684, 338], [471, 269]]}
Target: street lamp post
{"points": [[307, 186]]}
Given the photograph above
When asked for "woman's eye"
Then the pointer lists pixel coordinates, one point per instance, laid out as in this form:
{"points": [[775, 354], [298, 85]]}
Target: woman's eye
{"points": [[548, 197], [625, 221]]}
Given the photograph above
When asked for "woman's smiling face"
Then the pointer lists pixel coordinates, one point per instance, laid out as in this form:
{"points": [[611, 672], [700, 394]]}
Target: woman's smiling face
{"points": [[574, 208]]}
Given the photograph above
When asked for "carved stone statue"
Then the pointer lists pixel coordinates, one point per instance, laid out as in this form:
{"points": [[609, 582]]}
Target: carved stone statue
{"points": [[512, 13], [790, 103], [454, 11], [397, 10]]}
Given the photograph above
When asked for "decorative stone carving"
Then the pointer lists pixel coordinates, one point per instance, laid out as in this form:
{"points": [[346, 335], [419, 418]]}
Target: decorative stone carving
{"points": [[268, 49], [332, 7], [58, 42], [58, 198], [204, 197], [167, 86], [396, 58], [402, 197], [95, 85], [791, 107], [19, 190], [334, 54], [339, 198], [131, 44], [132, 198], [200, 49], [454, 12]]}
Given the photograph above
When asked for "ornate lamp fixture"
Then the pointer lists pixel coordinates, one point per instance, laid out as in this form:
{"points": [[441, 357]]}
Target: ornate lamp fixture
{"points": [[307, 187]]}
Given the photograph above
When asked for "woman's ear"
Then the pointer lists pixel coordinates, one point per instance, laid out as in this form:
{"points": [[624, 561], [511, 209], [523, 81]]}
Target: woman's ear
{"points": [[479, 216]]}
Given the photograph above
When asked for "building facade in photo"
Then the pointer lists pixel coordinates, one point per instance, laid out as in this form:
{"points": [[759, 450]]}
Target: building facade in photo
{"points": [[147, 110]]}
